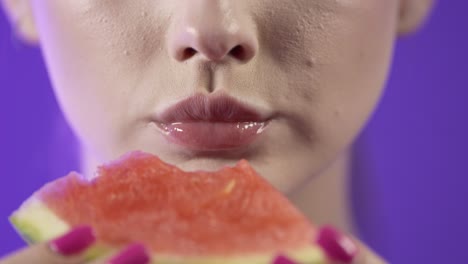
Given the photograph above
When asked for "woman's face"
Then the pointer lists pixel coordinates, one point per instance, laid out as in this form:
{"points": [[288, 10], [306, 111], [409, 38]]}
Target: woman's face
{"points": [[308, 74]]}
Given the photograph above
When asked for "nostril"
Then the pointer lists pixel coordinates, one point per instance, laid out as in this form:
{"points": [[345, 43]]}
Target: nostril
{"points": [[188, 53], [238, 52]]}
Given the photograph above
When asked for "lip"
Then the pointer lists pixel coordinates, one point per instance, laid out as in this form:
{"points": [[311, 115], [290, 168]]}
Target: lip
{"points": [[211, 123]]}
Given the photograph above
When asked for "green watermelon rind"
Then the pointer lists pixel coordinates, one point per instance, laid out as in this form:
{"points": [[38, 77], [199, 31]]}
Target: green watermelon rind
{"points": [[35, 222], [28, 232], [45, 226]]}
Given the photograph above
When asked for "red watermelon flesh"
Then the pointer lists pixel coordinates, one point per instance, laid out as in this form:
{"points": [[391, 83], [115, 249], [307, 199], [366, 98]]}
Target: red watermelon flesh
{"points": [[229, 216]]}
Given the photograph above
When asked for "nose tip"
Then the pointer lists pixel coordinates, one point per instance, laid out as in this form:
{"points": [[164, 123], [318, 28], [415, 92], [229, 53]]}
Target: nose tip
{"points": [[210, 33]]}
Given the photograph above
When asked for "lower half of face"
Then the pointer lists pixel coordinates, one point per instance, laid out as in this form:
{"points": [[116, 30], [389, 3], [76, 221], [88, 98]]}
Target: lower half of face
{"points": [[202, 84]]}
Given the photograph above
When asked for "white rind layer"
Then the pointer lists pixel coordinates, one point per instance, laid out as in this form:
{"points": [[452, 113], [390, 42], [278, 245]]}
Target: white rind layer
{"points": [[35, 222]]}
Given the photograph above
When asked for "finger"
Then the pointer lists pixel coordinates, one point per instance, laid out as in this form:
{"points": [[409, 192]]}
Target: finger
{"points": [[367, 256], [67, 249], [343, 249], [133, 254]]}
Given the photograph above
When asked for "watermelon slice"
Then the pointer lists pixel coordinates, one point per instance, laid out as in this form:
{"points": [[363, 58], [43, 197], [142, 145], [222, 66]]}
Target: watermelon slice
{"points": [[231, 216]]}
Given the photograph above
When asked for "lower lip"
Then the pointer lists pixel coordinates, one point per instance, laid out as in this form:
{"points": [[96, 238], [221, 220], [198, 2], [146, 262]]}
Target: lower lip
{"points": [[213, 136]]}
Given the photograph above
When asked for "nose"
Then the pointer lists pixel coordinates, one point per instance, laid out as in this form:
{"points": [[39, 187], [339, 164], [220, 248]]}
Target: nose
{"points": [[213, 29]]}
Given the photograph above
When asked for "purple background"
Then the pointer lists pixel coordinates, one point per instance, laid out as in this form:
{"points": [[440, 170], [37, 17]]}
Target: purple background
{"points": [[412, 190]]}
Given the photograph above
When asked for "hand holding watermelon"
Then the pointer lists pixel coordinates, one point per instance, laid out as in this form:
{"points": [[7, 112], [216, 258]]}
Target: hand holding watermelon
{"points": [[230, 216], [67, 248]]}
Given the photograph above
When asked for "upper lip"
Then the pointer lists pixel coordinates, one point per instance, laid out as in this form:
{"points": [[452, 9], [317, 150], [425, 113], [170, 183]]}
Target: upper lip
{"points": [[204, 108]]}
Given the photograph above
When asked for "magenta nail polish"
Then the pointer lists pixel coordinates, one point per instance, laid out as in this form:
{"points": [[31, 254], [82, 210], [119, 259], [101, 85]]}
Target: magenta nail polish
{"points": [[337, 246], [280, 259], [74, 242], [134, 254]]}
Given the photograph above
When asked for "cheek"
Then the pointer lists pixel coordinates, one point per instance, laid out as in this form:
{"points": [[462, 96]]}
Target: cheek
{"points": [[341, 67], [356, 70], [330, 67], [95, 51]]}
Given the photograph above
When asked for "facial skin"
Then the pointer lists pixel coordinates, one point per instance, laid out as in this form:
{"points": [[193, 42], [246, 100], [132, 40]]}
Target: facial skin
{"points": [[317, 68]]}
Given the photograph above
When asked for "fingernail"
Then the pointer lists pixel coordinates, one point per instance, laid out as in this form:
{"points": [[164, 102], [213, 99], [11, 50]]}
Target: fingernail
{"points": [[280, 259], [336, 245], [134, 254], [74, 242]]}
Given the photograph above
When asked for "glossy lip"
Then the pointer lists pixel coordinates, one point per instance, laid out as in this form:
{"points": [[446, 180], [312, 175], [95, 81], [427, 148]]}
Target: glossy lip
{"points": [[206, 108], [211, 123]]}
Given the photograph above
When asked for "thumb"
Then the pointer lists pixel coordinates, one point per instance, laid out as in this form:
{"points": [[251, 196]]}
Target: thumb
{"points": [[66, 249], [343, 249]]}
